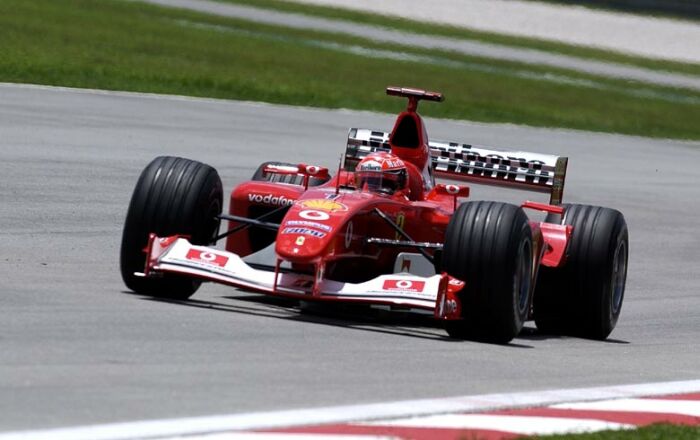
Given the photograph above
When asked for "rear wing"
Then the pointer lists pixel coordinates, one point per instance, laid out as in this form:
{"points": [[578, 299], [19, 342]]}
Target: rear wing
{"points": [[517, 169]]}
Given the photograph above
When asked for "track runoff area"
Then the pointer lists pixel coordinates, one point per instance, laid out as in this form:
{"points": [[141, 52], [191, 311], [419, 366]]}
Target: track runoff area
{"points": [[486, 416]]}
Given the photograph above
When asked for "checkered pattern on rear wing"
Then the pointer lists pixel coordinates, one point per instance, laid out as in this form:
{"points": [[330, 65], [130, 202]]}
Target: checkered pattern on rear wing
{"points": [[361, 142], [518, 169]]}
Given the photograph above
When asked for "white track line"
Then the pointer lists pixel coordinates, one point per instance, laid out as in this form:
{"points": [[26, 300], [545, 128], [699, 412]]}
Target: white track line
{"points": [[685, 407], [151, 429], [281, 436], [526, 425]]}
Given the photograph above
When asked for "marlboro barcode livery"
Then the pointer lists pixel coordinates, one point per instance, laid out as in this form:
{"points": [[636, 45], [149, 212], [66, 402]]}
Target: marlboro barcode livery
{"points": [[382, 231]]}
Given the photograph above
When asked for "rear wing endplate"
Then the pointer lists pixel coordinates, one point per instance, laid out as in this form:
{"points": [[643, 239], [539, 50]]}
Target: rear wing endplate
{"points": [[517, 169]]}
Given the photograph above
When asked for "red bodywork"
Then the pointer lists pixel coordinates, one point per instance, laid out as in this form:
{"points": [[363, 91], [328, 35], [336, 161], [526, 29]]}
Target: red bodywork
{"points": [[323, 232], [321, 249]]}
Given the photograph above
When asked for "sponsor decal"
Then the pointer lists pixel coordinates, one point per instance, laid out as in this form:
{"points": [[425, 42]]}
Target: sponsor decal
{"points": [[494, 166], [379, 162], [332, 196], [370, 165], [207, 257], [309, 224], [311, 214], [300, 240], [348, 234], [312, 169], [304, 231], [452, 189], [323, 205], [269, 199], [404, 285], [394, 163]]}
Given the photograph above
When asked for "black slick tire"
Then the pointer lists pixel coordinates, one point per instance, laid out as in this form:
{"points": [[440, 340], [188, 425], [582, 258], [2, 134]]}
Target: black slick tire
{"points": [[488, 245], [172, 196], [584, 297]]}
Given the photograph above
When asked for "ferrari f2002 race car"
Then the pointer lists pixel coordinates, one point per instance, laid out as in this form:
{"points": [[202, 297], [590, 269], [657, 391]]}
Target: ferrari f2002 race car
{"points": [[382, 231]]}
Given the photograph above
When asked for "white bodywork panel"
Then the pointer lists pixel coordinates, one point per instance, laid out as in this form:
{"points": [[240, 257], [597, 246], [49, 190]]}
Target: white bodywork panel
{"points": [[401, 289]]}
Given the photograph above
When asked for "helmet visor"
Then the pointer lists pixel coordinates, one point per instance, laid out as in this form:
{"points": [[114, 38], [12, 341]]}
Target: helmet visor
{"points": [[387, 182]]}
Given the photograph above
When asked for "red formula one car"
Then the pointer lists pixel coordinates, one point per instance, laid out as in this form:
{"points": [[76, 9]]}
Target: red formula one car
{"points": [[382, 231]]}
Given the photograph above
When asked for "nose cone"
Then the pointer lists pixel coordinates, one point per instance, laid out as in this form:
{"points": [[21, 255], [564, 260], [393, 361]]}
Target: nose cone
{"points": [[308, 230]]}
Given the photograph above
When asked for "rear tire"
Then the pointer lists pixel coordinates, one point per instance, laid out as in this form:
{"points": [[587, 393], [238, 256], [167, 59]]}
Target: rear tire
{"points": [[172, 196], [584, 297], [488, 245]]}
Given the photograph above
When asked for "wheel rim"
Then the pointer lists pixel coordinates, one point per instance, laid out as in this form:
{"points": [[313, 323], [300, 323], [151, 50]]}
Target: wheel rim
{"points": [[619, 276], [523, 272]]}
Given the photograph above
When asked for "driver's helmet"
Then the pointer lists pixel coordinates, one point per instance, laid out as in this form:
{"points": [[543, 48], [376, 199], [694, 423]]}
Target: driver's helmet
{"points": [[381, 172]]}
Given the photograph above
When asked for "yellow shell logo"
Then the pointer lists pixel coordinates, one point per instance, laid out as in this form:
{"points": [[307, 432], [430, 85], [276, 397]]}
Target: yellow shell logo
{"points": [[323, 205]]}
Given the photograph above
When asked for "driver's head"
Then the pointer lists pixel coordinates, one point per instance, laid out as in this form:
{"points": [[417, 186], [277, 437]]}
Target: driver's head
{"points": [[381, 172]]}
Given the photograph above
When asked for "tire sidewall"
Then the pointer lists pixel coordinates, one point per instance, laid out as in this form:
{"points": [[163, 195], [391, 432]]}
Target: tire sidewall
{"points": [[488, 245], [172, 196]]}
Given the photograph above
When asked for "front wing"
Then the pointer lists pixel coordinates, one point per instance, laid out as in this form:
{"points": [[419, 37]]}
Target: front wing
{"points": [[177, 255]]}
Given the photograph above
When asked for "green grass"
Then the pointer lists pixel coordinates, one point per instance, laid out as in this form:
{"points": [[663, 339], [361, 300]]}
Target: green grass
{"points": [[119, 45], [652, 432], [463, 33]]}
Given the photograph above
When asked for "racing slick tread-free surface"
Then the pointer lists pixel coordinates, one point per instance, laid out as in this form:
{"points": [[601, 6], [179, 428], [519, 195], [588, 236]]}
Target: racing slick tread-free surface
{"points": [[579, 298], [484, 245], [172, 196]]}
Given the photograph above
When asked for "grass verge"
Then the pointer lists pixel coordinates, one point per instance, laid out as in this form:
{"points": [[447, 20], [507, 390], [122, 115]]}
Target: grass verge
{"points": [[120, 45], [652, 432], [463, 33]]}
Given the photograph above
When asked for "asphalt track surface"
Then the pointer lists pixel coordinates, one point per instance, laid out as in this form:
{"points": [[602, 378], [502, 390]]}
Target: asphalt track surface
{"points": [[466, 47], [630, 33], [76, 349]]}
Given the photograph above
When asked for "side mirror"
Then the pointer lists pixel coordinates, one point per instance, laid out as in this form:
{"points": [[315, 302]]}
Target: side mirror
{"points": [[449, 190], [313, 171], [307, 171]]}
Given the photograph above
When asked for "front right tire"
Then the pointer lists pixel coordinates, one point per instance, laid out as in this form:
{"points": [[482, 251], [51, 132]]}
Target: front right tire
{"points": [[172, 196], [488, 245]]}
